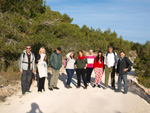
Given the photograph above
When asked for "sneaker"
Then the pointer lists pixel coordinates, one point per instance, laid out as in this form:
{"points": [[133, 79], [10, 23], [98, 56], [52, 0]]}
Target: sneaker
{"points": [[51, 89], [56, 88], [23, 93], [113, 88], [78, 86], [70, 86], [105, 88], [125, 92], [67, 86], [99, 86], [44, 90], [28, 91], [39, 91], [117, 91], [94, 86], [85, 87]]}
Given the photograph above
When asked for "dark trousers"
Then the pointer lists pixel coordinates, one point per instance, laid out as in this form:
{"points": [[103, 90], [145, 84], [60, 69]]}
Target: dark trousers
{"points": [[81, 72], [88, 74], [26, 80], [70, 73], [41, 84], [124, 78]]}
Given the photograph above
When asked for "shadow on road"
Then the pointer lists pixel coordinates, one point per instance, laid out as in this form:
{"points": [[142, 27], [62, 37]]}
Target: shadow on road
{"points": [[35, 108], [135, 89]]}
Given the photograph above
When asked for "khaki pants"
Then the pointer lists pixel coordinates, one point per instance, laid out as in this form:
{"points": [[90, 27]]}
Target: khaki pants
{"points": [[107, 72], [54, 78]]}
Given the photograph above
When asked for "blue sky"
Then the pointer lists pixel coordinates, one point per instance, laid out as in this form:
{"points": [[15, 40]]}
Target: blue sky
{"points": [[129, 18]]}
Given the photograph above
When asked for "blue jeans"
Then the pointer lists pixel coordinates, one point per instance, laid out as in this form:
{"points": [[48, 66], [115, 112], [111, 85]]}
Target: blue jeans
{"points": [[70, 73], [124, 78]]}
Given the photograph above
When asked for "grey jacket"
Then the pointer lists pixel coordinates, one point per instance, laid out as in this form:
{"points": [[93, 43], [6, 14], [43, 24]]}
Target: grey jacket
{"points": [[23, 65]]}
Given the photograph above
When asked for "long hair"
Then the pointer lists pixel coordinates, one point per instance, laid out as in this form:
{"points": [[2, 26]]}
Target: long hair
{"points": [[72, 57], [102, 57], [42, 48], [81, 52]]}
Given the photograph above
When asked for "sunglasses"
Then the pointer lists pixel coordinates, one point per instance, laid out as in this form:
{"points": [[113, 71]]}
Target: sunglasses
{"points": [[28, 48]]}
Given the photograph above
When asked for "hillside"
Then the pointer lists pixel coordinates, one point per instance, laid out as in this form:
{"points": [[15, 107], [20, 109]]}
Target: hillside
{"points": [[25, 22]]}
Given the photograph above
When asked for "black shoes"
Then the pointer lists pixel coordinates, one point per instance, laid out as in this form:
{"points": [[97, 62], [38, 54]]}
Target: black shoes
{"points": [[125, 92], [117, 91], [94, 86], [51, 89], [68, 86], [85, 87], [99, 86], [78, 87], [56, 88], [113, 88]]}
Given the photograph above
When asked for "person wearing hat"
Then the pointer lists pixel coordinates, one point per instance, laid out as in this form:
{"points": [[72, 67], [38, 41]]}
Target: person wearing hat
{"points": [[90, 62], [56, 64]]}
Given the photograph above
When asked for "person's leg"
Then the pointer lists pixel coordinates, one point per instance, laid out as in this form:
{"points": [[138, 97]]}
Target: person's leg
{"points": [[69, 76], [106, 76], [52, 79], [23, 81], [43, 83], [119, 82], [124, 77], [29, 78], [96, 75], [100, 73], [88, 75], [40, 84], [72, 73], [56, 77], [83, 77], [78, 77], [113, 76]]}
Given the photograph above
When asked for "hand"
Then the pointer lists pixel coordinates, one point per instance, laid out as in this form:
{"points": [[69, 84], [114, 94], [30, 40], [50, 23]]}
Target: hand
{"points": [[75, 67], [39, 60], [33, 71], [21, 71], [84, 67], [117, 74], [126, 69]]}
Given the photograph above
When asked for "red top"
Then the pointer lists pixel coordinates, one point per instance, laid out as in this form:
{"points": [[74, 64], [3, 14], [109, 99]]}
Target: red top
{"points": [[98, 64]]}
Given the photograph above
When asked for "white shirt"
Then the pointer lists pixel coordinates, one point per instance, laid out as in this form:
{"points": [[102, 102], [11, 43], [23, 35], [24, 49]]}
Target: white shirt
{"points": [[70, 62], [42, 66], [111, 59]]}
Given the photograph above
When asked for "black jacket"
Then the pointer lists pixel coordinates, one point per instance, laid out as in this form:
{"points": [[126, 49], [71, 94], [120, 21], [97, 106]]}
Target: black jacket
{"points": [[122, 64], [37, 57]]}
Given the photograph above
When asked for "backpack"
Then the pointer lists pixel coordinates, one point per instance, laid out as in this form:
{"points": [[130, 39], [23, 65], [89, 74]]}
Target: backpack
{"points": [[24, 56], [127, 64], [113, 53]]}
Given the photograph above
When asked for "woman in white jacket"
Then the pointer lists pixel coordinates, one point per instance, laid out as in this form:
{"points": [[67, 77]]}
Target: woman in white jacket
{"points": [[70, 67], [42, 68]]}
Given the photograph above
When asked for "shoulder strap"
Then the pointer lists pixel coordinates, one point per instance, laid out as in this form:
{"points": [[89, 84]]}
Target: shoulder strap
{"points": [[23, 54]]}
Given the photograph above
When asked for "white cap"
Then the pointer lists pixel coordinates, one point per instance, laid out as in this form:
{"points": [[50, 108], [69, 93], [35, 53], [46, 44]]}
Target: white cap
{"points": [[91, 50]]}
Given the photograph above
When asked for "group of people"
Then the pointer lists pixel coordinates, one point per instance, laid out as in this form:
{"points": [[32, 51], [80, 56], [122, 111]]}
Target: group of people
{"points": [[83, 65]]}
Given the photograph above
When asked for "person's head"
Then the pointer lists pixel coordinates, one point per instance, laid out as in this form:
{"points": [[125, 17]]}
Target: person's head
{"points": [[28, 48], [72, 55], [58, 50], [110, 49], [42, 50], [90, 52], [100, 54], [80, 53], [122, 54]]}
